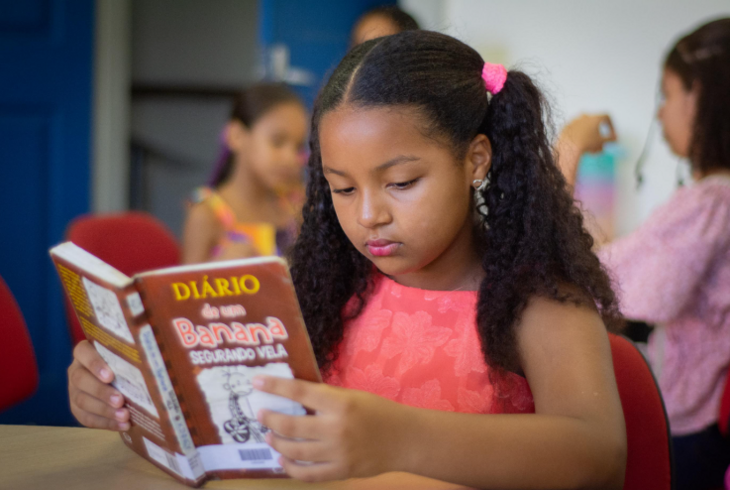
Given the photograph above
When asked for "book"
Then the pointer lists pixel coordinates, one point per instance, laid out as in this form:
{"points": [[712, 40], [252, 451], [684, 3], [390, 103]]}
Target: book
{"points": [[184, 344]]}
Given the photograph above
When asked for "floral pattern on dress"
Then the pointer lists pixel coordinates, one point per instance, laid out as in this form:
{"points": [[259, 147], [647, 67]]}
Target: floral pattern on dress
{"points": [[476, 401], [414, 338], [370, 325], [372, 380], [421, 348], [427, 396], [466, 357]]}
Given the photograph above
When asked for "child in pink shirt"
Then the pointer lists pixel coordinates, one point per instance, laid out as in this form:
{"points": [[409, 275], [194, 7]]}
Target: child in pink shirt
{"points": [[674, 271]]}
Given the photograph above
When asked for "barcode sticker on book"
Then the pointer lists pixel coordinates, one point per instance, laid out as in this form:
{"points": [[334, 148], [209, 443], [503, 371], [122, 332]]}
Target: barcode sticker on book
{"points": [[250, 456], [255, 454]]}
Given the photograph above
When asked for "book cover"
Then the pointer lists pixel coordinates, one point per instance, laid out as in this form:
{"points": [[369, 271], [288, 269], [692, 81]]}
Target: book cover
{"points": [[184, 344]]}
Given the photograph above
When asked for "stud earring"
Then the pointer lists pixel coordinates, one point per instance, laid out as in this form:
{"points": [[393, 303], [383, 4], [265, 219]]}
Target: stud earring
{"points": [[479, 184]]}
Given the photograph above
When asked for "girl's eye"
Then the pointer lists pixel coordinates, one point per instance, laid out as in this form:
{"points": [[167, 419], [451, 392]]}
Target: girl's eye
{"points": [[344, 192], [278, 141], [403, 185]]}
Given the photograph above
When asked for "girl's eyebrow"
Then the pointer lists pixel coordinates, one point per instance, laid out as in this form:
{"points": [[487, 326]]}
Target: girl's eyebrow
{"points": [[383, 166]]}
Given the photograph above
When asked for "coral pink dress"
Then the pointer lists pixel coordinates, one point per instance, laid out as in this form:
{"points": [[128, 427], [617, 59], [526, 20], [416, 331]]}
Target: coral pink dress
{"points": [[421, 348]]}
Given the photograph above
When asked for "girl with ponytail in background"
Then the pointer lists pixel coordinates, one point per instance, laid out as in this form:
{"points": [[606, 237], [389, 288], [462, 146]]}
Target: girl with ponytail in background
{"points": [[250, 207]]}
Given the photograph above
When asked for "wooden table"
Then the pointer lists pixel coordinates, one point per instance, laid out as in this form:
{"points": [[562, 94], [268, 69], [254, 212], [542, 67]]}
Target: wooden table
{"points": [[61, 458]]}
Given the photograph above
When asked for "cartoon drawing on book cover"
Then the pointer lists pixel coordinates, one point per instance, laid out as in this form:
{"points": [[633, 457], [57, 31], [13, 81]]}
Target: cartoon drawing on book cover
{"points": [[234, 403], [242, 426]]}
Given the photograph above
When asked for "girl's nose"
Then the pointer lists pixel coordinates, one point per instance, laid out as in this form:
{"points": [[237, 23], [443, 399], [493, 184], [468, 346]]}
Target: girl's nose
{"points": [[372, 211]]}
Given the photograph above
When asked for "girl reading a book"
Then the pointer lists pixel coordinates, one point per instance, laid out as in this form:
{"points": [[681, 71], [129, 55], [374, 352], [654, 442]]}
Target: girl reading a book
{"points": [[254, 197], [453, 302]]}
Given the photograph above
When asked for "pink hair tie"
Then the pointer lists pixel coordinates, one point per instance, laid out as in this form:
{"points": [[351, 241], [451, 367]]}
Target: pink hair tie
{"points": [[494, 77]]}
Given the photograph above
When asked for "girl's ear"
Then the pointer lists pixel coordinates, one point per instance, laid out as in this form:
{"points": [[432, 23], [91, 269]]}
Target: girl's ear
{"points": [[479, 158], [236, 136]]}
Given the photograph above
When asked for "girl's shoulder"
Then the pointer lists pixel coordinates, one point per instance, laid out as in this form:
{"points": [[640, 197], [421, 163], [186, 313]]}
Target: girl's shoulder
{"points": [[707, 189], [209, 199]]}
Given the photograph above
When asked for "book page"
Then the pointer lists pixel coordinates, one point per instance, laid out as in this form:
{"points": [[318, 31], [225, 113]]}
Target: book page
{"points": [[107, 310], [128, 380], [91, 264]]}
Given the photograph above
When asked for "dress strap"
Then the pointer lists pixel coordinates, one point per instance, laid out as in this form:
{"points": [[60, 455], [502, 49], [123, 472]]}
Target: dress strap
{"points": [[220, 208]]}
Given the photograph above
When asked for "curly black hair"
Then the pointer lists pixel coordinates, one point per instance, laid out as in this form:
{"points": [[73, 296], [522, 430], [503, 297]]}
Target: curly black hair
{"points": [[531, 237], [702, 58]]}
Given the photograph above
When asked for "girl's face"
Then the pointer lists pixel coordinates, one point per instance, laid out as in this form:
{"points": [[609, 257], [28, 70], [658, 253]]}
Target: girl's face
{"points": [[274, 146], [402, 198], [677, 113]]}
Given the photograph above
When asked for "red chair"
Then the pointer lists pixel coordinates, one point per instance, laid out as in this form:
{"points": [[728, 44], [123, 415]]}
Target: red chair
{"points": [[18, 368], [131, 242], [723, 420], [649, 458]]}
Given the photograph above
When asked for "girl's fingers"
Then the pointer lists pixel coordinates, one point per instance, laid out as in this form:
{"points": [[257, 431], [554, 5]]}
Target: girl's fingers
{"points": [[85, 354], [291, 426], [97, 421], [311, 395], [606, 128], [310, 472], [93, 406], [82, 380], [305, 450]]}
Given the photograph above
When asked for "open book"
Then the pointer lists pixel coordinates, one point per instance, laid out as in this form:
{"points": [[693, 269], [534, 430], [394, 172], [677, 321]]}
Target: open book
{"points": [[184, 344]]}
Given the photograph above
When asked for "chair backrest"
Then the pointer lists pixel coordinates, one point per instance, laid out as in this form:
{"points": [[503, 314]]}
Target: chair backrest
{"points": [[18, 368], [132, 242], [649, 458]]}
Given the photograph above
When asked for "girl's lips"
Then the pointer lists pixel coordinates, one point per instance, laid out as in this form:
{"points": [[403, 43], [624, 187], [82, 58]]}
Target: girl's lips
{"points": [[381, 248]]}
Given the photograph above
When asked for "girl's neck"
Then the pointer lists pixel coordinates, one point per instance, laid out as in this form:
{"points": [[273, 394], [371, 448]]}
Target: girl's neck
{"points": [[246, 186]]}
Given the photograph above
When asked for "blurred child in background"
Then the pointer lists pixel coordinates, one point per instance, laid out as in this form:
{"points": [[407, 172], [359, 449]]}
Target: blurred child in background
{"points": [[675, 269], [381, 21], [254, 198]]}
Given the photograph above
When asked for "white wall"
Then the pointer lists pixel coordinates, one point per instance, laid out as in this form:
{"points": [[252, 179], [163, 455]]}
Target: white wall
{"points": [[590, 55]]}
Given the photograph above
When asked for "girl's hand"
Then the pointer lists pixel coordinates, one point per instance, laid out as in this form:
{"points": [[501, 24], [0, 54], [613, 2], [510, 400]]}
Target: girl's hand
{"points": [[352, 434], [94, 402], [589, 132], [585, 134]]}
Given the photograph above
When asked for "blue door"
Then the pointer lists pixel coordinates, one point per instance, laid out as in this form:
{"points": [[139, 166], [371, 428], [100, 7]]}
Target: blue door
{"points": [[45, 117]]}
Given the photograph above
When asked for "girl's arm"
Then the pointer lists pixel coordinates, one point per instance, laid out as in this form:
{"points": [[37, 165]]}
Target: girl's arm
{"points": [[660, 267], [576, 439], [200, 234]]}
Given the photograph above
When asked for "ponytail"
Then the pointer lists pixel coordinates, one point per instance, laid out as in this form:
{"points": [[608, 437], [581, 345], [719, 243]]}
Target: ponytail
{"points": [[534, 242]]}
